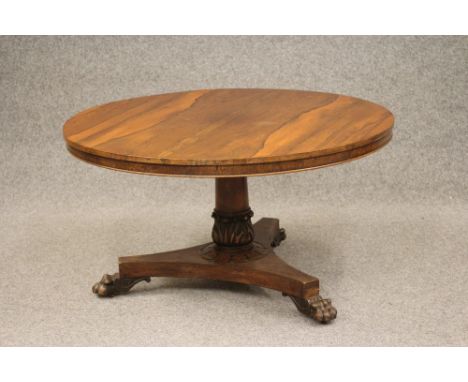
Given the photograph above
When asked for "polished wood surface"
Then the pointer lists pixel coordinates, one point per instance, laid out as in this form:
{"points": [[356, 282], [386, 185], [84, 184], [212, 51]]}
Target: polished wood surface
{"points": [[228, 132], [269, 272], [231, 195], [240, 252], [232, 213]]}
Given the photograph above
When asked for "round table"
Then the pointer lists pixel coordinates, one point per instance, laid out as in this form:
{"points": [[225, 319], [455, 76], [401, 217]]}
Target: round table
{"points": [[228, 134]]}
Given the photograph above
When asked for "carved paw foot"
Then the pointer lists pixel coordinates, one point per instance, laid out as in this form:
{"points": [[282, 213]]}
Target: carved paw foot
{"points": [[112, 285], [320, 309], [280, 236]]}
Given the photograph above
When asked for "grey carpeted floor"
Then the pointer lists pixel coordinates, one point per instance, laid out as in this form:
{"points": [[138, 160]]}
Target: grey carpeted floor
{"points": [[387, 234]]}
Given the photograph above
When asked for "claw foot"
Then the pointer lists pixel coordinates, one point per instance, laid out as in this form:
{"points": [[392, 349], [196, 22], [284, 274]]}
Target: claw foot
{"points": [[112, 285], [280, 236], [320, 309]]}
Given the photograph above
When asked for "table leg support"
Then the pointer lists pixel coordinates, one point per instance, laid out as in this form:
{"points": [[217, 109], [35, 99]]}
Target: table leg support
{"points": [[240, 252]]}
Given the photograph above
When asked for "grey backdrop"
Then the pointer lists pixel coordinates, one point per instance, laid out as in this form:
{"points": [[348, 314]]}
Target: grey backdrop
{"points": [[387, 234]]}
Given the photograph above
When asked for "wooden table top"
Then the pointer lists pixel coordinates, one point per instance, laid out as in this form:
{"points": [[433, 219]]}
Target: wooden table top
{"points": [[228, 132]]}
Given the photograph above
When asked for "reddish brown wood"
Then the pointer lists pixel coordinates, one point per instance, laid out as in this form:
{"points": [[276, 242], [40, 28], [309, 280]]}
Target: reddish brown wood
{"points": [[228, 132], [239, 170], [232, 226], [269, 271], [240, 252], [231, 195]]}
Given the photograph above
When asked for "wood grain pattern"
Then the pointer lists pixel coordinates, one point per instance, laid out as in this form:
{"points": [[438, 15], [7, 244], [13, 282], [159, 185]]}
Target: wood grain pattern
{"points": [[228, 132]]}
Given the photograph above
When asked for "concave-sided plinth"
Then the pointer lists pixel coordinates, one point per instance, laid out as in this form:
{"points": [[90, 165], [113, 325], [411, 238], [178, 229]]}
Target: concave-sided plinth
{"points": [[240, 252]]}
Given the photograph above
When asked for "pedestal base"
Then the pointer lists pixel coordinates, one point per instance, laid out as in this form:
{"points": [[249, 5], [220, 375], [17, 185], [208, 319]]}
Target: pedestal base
{"points": [[252, 264], [240, 252]]}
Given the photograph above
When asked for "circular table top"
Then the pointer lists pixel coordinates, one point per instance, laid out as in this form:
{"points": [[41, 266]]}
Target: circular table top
{"points": [[228, 132]]}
